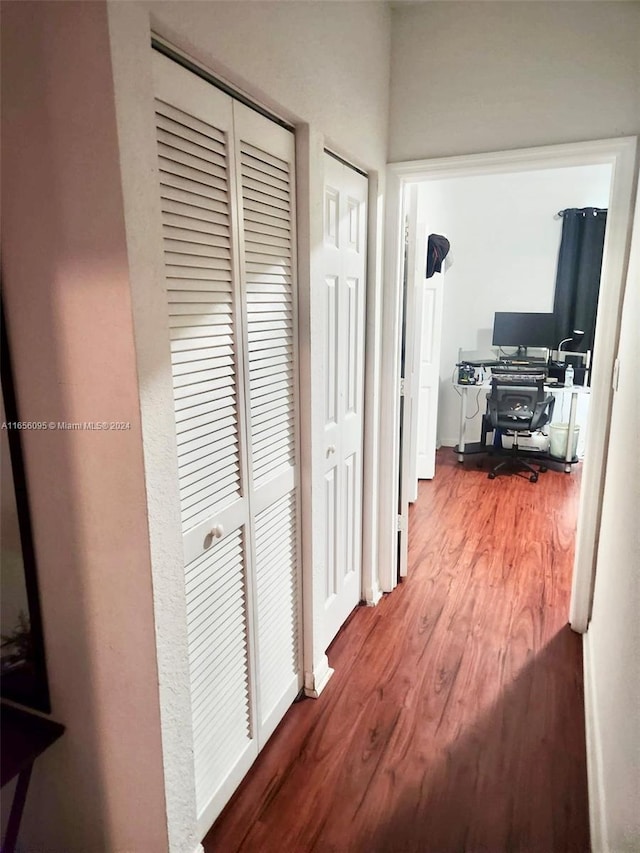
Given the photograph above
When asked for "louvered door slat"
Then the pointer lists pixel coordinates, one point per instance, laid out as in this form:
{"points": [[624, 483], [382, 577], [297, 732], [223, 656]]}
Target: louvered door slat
{"points": [[193, 214], [195, 457], [262, 235], [255, 170], [270, 386], [200, 652], [277, 602], [224, 639], [204, 637], [200, 570], [171, 121], [176, 150], [189, 182]]}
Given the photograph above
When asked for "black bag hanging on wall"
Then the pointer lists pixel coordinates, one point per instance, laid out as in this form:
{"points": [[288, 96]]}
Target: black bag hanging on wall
{"points": [[437, 250]]}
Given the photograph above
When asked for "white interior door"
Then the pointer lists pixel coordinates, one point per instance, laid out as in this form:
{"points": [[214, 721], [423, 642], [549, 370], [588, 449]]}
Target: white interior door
{"points": [[422, 339], [227, 190], [345, 251], [424, 335], [429, 347], [412, 310]]}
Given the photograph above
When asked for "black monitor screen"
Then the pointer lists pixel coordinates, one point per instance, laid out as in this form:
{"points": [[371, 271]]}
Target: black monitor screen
{"points": [[518, 329]]}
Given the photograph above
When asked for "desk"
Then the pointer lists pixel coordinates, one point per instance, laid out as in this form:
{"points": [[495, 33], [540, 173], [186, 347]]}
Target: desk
{"points": [[464, 448]]}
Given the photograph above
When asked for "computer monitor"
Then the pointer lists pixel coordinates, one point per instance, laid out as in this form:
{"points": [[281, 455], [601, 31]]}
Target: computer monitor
{"points": [[521, 329]]}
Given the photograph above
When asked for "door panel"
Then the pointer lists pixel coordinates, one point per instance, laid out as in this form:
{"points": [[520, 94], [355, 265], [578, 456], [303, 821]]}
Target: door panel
{"points": [[429, 346], [345, 289], [265, 154], [194, 132], [227, 189]]}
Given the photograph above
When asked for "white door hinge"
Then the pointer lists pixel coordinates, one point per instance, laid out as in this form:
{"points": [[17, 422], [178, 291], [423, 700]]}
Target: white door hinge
{"points": [[402, 386], [616, 374], [402, 526]]}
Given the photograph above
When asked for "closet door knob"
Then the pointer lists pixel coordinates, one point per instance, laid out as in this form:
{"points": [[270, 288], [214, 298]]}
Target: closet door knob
{"points": [[331, 449], [217, 532]]}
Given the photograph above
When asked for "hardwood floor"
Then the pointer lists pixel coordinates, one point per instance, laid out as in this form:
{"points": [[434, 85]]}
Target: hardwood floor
{"points": [[454, 721]]}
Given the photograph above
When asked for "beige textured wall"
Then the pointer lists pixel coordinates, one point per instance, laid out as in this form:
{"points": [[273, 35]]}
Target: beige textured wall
{"points": [[323, 63], [66, 287], [469, 77], [612, 643]]}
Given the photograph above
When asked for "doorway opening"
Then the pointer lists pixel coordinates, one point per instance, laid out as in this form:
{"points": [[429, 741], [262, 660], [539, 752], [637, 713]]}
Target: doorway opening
{"points": [[498, 278], [620, 156]]}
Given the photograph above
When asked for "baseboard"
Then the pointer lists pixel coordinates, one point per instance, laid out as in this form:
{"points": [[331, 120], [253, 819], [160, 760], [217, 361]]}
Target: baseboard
{"points": [[316, 681], [372, 596], [597, 813], [199, 849]]}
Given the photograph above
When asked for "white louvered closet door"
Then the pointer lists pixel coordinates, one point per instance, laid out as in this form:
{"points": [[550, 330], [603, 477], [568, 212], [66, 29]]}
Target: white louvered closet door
{"points": [[265, 156], [231, 311]]}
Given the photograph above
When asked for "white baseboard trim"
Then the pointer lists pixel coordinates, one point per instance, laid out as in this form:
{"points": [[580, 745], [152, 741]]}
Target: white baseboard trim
{"points": [[597, 813], [316, 681], [451, 442], [372, 596], [199, 849]]}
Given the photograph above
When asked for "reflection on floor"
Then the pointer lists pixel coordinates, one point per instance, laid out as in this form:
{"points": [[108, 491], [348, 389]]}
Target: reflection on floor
{"points": [[454, 721]]}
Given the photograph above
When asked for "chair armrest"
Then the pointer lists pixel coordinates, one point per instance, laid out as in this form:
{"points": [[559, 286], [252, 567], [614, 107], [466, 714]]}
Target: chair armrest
{"points": [[541, 407]]}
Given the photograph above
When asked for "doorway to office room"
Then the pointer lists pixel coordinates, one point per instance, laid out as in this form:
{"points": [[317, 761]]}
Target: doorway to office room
{"points": [[504, 232], [620, 154], [505, 236]]}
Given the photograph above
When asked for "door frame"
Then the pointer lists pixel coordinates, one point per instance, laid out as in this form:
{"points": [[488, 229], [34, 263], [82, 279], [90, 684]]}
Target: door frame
{"points": [[621, 154]]}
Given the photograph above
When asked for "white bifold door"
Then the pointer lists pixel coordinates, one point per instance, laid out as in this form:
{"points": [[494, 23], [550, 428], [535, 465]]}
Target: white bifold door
{"points": [[226, 181], [345, 251]]}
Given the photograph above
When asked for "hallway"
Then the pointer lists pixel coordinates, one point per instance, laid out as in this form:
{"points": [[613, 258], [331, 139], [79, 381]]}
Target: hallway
{"points": [[454, 719]]}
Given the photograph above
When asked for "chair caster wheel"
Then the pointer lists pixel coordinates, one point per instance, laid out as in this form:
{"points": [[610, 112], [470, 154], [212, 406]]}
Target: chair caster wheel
{"points": [[543, 469], [533, 478], [491, 476]]}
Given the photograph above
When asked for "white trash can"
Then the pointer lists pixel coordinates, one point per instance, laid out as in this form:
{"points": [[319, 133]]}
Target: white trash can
{"points": [[558, 440]]}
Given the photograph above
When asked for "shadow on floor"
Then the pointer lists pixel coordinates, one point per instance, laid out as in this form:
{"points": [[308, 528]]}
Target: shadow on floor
{"points": [[513, 781]]}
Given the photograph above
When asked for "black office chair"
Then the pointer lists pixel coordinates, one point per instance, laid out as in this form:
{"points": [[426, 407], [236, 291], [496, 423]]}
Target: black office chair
{"points": [[518, 403]]}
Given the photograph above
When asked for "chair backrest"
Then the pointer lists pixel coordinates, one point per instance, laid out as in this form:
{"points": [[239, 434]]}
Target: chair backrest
{"points": [[514, 399]]}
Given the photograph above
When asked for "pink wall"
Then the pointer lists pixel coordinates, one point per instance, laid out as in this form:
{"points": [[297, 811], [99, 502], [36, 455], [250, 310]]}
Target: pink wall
{"points": [[67, 296]]}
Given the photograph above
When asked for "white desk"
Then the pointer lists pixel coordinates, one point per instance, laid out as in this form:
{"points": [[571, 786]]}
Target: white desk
{"points": [[574, 390]]}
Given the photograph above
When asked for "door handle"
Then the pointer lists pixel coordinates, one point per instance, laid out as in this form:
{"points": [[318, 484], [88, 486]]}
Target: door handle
{"points": [[216, 532], [331, 449]]}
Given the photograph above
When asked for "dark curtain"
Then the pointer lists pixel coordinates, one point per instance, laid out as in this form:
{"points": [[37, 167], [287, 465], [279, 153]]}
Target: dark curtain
{"points": [[578, 277]]}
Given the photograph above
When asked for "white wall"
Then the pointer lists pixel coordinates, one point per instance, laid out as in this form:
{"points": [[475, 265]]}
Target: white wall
{"points": [[469, 77], [612, 643], [504, 246]]}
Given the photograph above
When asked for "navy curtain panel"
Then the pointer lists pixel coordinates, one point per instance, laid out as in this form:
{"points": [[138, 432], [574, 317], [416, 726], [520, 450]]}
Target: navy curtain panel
{"points": [[578, 276]]}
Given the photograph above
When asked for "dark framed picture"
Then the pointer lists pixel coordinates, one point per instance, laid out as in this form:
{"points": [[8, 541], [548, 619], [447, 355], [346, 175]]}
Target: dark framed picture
{"points": [[23, 674]]}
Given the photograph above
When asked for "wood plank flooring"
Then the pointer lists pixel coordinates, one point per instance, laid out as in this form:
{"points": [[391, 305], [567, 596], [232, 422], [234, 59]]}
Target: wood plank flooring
{"points": [[454, 721]]}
